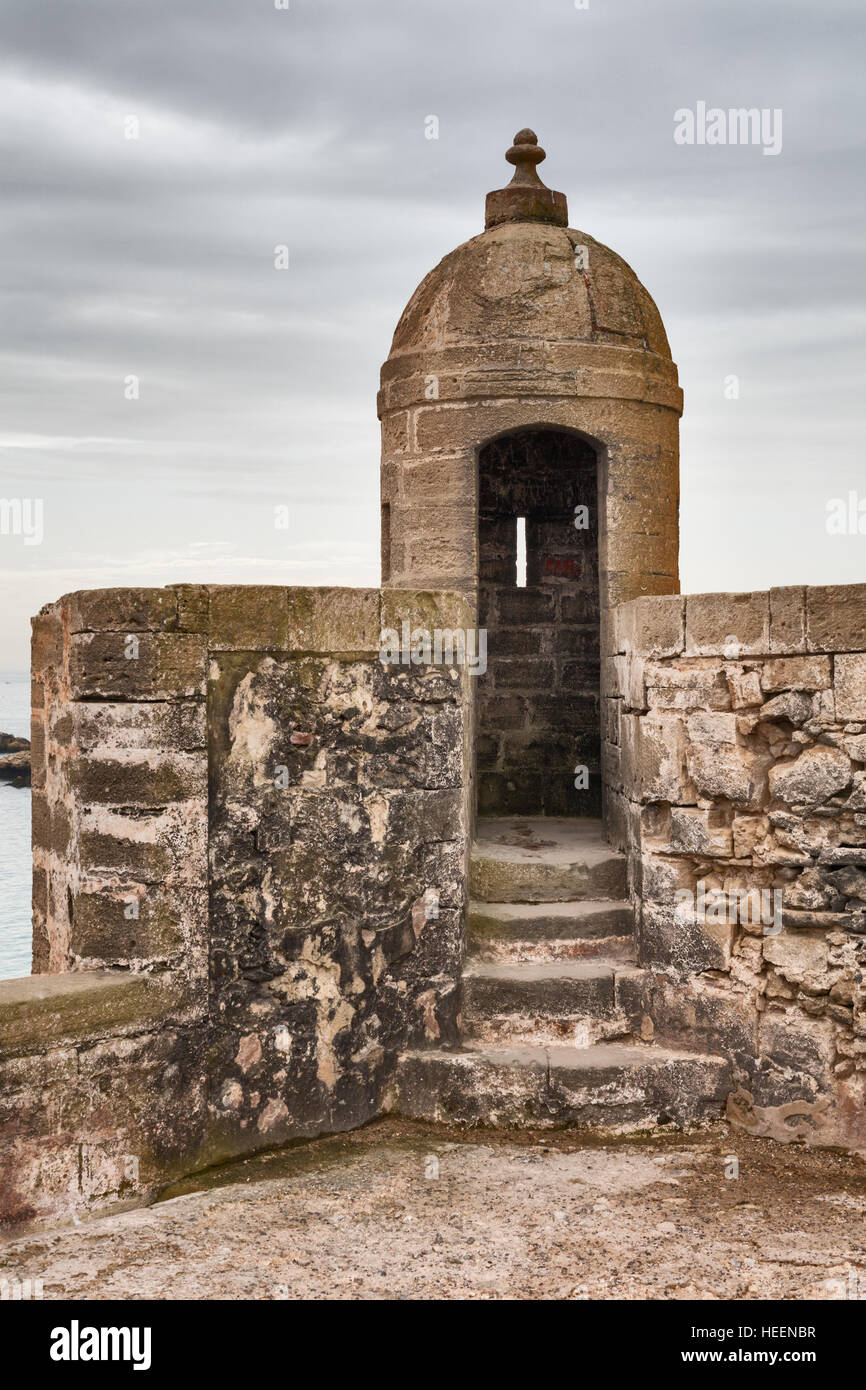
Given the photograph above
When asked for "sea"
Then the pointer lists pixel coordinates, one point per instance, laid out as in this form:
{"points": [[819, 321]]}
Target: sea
{"points": [[15, 876]]}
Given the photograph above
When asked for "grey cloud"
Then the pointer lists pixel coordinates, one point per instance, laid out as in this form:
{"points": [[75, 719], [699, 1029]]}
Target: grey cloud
{"points": [[305, 127]]}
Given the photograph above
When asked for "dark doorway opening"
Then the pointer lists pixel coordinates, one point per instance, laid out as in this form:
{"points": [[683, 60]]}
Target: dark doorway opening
{"points": [[538, 703]]}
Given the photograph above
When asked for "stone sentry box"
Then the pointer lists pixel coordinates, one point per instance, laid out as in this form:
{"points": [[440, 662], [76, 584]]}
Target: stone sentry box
{"points": [[251, 833], [250, 841], [528, 332]]}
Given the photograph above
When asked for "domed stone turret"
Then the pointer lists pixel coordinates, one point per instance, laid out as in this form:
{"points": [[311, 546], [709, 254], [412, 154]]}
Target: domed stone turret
{"points": [[520, 279], [530, 377], [530, 323]]}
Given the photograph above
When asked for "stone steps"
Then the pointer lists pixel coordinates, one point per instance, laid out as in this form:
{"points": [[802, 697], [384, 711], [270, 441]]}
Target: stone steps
{"points": [[537, 860], [551, 1001], [577, 1002], [608, 1087], [550, 931]]}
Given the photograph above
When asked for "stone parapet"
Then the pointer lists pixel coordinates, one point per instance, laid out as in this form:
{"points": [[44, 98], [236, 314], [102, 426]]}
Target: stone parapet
{"points": [[250, 839], [735, 769]]}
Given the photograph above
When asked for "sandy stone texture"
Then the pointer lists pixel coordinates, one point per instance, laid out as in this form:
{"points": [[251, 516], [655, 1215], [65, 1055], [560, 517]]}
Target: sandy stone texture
{"points": [[509, 1216]]}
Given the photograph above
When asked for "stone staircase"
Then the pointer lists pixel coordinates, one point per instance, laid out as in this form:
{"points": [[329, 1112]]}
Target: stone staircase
{"points": [[552, 1000]]}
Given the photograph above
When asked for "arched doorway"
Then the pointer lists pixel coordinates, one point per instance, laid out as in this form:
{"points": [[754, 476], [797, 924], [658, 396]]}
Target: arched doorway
{"points": [[538, 703]]}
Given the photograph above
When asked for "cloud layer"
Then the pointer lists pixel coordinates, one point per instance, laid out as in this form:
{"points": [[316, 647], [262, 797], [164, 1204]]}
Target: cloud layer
{"points": [[153, 258]]}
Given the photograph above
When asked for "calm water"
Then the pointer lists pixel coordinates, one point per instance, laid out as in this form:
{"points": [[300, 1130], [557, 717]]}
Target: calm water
{"points": [[14, 839]]}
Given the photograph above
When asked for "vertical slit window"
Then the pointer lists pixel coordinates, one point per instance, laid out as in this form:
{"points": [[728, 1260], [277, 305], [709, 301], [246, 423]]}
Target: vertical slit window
{"points": [[520, 578]]}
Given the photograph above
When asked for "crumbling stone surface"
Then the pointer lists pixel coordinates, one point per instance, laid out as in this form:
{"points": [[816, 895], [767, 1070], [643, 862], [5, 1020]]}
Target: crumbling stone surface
{"points": [[250, 844], [401, 1210], [738, 790], [337, 845]]}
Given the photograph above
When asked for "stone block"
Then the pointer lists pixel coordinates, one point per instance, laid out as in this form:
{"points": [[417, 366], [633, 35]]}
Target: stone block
{"points": [[129, 666], [505, 712], [712, 727], [51, 823], [729, 625], [165, 845], [44, 1010], [47, 641], [653, 757], [726, 771], [116, 926], [857, 797], [800, 1051], [395, 432], [517, 641], [673, 940], [745, 688], [796, 673], [749, 832], [788, 619], [140, 778], [248, 617], [652, 626], [661, 878], [612, 672], [611, 715], [37, 750], [811, 779], [836, 618], [801, 958], [155, 726], [423, 608], [525, 675], [793, 706], [686, 686], [520, 606], [434, 559], [696, 831], [121, 610], [193, 607], [855, 747], [340, 622], [850, 686], [634, 694], [141, 861], [426, 481], [611, 766]]}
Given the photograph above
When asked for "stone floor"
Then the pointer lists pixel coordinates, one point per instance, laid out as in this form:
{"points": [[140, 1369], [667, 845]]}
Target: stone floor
{"points": [[546, 1215]]}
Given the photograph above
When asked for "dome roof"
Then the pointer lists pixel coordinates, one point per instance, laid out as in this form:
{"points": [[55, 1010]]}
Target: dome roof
{"points": [[530, 280]]}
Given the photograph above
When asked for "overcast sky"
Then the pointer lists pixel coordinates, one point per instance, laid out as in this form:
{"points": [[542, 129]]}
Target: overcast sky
{"points": [[257, 127]]}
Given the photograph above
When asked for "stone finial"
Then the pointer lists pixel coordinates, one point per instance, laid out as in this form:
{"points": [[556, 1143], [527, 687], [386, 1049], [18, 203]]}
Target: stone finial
{"points": [[526, 199]]}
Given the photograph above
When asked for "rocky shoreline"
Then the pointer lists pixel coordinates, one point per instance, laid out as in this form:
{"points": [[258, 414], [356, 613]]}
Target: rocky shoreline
{"points": [[14, 760]]}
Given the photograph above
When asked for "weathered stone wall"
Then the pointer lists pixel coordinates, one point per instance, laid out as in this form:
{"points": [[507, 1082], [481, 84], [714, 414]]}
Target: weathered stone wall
{"points": [[249, 863], [120, 783], [735, 758]]}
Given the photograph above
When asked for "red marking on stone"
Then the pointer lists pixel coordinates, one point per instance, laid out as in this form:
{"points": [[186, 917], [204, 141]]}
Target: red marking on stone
{"points": [[301, 740], [562, 564]]}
